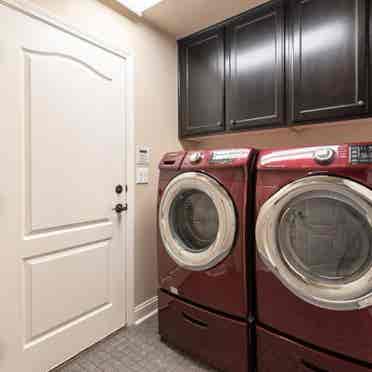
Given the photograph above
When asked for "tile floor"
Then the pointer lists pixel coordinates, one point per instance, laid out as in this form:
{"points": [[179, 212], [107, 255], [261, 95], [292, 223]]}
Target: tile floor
{"points": [[136, 349]]}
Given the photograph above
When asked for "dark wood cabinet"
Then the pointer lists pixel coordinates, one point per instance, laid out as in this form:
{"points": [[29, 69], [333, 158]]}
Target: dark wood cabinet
{"points": [[255, 81], [202, 83], [286, 62], [327, 59]]}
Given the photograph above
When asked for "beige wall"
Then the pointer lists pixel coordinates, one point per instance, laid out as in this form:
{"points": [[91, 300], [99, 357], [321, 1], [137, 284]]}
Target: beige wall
{"points": [[155, 108], [318, 134]]}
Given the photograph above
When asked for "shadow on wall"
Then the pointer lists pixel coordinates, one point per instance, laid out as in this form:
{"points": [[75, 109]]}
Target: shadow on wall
{"points": [[316, 134]]}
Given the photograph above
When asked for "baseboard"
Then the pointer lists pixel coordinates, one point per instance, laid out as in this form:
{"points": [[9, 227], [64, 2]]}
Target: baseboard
{"points": [[145, 310]]}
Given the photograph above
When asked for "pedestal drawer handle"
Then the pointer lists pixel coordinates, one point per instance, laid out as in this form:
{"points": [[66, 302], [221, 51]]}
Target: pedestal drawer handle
{"points": [[195, 322], [313, 367]]}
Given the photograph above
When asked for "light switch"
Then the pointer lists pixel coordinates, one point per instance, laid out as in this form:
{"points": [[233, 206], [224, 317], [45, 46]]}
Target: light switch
{"points": [[142, 175]]}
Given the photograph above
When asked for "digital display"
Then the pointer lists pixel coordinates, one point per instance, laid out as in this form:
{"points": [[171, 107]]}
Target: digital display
{"points": [[227, 156], [360, 154]]}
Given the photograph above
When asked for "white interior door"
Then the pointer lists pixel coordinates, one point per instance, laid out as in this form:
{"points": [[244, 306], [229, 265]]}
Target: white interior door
{"points": [[62, 152]]}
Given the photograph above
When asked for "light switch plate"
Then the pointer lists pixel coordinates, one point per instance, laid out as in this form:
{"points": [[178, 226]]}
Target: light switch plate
{"points": [[142, 175]]}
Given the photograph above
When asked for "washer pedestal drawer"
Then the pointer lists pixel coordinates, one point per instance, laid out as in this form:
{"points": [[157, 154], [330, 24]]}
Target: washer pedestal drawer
{"points": [[216, 340], [276, 353]]}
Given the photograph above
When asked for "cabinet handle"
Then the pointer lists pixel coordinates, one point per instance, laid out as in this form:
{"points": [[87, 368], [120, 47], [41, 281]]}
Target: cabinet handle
{"points": [[312, 367], [194, 321], [219, 123], [361, 102]]}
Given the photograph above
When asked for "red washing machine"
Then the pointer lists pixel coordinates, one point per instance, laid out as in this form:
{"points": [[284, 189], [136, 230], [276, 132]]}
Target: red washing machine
{"points": [[203, 213], [314, 259]]}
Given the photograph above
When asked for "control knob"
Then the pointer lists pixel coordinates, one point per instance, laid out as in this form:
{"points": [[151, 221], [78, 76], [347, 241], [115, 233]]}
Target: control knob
{"points": [[195, 157], [324, 156]]}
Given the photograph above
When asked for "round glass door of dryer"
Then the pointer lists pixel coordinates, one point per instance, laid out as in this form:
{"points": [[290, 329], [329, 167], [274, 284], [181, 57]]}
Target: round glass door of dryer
{"points": [[197, 221], [324, 238], [315, 234]]}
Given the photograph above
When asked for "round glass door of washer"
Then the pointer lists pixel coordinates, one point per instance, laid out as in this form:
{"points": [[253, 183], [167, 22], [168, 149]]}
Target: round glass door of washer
{"points": [[197, 221]]}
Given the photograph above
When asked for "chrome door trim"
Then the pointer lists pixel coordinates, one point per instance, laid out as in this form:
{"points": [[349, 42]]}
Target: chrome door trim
{"points": [[346, 296], [223, 244]]}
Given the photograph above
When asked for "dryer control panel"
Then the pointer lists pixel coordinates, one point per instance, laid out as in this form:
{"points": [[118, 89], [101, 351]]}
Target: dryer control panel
{"points": [[360, 154]]}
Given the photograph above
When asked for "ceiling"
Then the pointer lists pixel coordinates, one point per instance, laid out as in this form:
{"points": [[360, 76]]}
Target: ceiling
{"points": [[183, 17]]}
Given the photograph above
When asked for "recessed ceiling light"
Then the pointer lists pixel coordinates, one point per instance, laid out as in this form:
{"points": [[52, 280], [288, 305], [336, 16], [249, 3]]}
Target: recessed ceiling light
{"points": [[138, 6]]}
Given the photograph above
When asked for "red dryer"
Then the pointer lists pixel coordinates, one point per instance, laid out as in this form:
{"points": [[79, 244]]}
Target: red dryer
{"points": [[203, 214], [314, 259]]}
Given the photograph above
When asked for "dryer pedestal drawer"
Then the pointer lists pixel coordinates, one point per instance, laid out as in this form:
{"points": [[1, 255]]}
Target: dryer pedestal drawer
{"points": [[276, 353], [217, 340]]}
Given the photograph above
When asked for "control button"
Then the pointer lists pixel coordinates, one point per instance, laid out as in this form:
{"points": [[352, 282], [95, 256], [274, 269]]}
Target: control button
{"points": [[195, 157], [324, 156]]}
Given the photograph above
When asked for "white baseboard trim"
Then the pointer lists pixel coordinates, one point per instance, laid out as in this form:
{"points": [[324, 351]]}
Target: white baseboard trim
{"points": [[145, 310]]}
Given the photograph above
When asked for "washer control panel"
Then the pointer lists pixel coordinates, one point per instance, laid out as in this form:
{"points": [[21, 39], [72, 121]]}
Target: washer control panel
{"points": [[226, 156], [207, 159], [360, 154]]}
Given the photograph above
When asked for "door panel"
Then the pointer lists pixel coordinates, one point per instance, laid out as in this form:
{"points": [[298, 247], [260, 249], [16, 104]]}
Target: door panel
{"points": [[255, 88], [327, 62], [63, 154], [202, 75], [55, 117], [73, 300]]}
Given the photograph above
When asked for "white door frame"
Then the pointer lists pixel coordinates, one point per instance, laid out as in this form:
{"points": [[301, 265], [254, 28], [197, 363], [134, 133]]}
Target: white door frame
{"points": [[40, 14]]}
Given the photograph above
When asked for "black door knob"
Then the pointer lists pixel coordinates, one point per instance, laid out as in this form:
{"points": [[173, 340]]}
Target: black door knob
{"points": [[119, 208], [119, 189]]}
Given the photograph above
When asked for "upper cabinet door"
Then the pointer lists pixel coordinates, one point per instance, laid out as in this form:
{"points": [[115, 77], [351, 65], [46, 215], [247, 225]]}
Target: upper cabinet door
{"points": [[202, 83], [327, 59], [255, 85]]}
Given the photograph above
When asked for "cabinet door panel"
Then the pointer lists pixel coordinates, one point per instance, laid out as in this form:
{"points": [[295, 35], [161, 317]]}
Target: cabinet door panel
{"points": [[202, 78], [327, 64], [256, 58]]}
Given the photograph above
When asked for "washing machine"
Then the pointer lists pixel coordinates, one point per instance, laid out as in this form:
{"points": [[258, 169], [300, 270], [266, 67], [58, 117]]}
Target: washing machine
{"points": [[314, 259], [205, 224]]}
